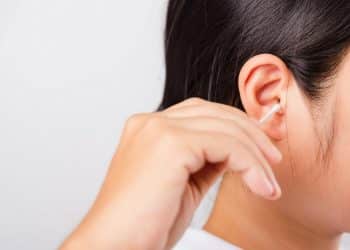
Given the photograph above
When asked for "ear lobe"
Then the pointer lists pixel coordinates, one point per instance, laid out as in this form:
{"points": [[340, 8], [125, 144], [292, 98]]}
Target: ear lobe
{"points": [[263, 82]]}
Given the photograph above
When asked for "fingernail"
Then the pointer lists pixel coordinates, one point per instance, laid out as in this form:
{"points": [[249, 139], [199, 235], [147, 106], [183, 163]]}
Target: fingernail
{"points": [[258, 183]]}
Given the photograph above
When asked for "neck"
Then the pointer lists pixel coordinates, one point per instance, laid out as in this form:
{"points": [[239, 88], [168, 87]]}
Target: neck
{"points": [[251, 222]]}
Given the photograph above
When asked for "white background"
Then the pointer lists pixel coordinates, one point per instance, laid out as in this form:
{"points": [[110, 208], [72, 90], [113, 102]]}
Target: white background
{"points": [[71, 72]]}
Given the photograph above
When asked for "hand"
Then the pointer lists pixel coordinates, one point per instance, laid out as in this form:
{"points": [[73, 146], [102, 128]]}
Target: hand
{"points": [[164, 165]]}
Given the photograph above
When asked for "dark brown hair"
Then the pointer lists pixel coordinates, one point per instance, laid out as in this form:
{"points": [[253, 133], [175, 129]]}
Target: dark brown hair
{"points": [[208, 41]]}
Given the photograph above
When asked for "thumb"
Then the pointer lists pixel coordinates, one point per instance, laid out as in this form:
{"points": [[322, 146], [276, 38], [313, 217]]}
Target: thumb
{"points": [[202, 180]]}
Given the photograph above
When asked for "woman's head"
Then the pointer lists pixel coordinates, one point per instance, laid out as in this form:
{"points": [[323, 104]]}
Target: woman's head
{"points": [[251, 54]]}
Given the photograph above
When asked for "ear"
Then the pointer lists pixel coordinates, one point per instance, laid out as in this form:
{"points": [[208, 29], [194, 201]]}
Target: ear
{"points": [[263, 82]]}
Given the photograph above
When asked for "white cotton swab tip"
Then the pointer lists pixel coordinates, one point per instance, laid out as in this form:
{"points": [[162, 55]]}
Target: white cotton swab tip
{"points": [[269, 114]]}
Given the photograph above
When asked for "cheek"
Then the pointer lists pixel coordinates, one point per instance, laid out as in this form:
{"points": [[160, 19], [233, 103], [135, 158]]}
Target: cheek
{"points": [[309, 190], [300, 141], [336, 183], [339, 192], [341, 151]]}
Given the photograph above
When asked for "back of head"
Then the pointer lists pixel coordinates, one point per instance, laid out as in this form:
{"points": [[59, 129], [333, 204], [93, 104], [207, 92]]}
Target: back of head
{"points": [[208, 41]]}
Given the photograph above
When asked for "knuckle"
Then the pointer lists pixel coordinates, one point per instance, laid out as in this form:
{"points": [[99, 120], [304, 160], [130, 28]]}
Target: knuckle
{"points": [[134, 120], [155, 123], [169, 137], [158, 132], [195, 100], [239, 157]]}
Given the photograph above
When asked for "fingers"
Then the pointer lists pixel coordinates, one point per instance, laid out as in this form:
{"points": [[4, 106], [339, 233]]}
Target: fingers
{"points": [[226, 112], [218, 133], [206, 177], [228, 127], [216, 147], [198, 111], [188, 102]]}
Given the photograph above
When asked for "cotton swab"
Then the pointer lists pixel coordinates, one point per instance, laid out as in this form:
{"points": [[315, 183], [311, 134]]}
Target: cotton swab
{"points": [[269, 114]]}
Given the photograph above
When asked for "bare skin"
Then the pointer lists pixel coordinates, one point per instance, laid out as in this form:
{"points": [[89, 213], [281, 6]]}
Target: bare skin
{"points": [[313, 212], [166, 162], [248, 222]]}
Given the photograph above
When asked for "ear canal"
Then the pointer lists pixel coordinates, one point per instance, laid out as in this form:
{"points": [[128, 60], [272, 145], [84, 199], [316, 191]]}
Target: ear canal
{"points": [[275, 108]]}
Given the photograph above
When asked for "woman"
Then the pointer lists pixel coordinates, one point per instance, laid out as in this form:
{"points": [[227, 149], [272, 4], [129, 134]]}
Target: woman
{"points": [[286, 183]]}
